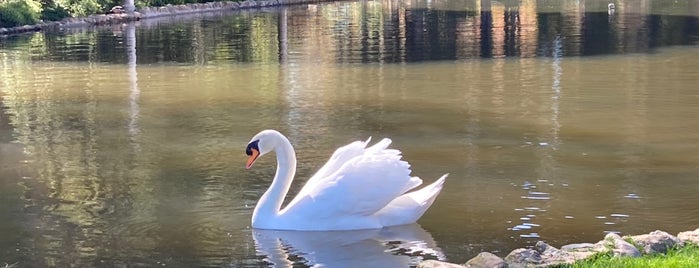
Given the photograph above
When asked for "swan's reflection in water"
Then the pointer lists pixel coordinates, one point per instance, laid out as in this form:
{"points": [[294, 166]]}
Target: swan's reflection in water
{"points": [[399, 246]]}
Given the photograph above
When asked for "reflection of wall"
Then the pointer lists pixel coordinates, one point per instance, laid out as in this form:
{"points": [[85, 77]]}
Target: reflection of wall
{"points": [[526, 30], [390, 31]]}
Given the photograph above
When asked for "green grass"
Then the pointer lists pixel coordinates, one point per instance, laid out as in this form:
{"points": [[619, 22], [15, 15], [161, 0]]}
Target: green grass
{"points": [[686, 257]]}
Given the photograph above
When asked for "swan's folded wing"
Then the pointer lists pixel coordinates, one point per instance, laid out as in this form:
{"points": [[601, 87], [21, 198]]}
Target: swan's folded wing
{"points": [[360, 187], [341, 156]]}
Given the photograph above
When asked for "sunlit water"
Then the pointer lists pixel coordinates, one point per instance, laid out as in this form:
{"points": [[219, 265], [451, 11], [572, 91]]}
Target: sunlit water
{"points": [[556, 123]]}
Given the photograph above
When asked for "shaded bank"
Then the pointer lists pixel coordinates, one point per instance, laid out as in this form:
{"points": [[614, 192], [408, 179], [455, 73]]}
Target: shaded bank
{"points": [[147, 13]]}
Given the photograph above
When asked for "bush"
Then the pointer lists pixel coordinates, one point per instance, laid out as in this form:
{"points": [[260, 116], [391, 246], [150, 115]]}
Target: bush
{"points": [[79, 8], [19, 12], [54, 12]]}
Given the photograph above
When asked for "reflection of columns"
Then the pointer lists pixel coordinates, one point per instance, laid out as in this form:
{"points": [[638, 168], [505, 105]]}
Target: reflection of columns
{"points": [[402, 34], [512, 29], [556, 86], [133, 79], [497, 30], [282, 35], [486, 29]]}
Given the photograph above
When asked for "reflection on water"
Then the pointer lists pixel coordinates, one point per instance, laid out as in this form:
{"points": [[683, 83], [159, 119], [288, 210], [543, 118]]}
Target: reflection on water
{"points": [[385, 32], [123, 146], [400, 246]]}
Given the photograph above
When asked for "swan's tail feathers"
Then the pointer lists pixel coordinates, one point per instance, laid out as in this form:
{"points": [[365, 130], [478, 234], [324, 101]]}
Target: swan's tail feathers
{"points": [[426, 196], [379, 146], [408, 208]]}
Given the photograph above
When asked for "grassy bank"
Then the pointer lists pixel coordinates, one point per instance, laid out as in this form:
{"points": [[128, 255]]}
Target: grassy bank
{"points": [[686, 257]]}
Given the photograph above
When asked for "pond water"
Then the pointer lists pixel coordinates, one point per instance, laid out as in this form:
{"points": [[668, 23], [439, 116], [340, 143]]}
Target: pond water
{"points": [[556, 120]]}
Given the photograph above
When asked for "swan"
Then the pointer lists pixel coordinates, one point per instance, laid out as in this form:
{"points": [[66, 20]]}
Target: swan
{"points": [[611, 8], [360, 187]]}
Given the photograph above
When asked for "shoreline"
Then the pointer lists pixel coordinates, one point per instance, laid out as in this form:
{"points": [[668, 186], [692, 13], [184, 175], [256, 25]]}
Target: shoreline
{"points": [[146, 13], [544, 255]]}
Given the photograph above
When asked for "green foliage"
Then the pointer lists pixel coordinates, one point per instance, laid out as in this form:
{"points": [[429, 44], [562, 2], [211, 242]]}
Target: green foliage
{"points": [[19, 12], [687, 256], [59, 9], [53, 12], [79, 8]]}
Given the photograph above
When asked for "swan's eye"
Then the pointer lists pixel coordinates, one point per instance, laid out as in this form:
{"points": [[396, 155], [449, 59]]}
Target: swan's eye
{"points": [[252, 145]]}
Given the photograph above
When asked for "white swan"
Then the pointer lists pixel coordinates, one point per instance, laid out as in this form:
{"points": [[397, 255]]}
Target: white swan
{"points": [[358, 188]]}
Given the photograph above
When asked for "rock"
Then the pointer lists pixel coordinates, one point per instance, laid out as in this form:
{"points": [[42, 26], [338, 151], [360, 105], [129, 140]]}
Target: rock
{"points": [[486, 260], [522, 257], [689, 237], [582, 251], [547, 250], [616, 245], [625, 249], [608, 243], [116, 10], [655, 242], [580, 247], [553, 257], [437, 264]]}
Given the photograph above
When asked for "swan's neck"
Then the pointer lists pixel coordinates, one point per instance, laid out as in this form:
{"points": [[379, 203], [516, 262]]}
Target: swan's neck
{"points": [[271, 201]]}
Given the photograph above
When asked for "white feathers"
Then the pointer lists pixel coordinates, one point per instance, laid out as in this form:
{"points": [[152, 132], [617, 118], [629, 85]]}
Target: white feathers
{"points": [[358, 188]]}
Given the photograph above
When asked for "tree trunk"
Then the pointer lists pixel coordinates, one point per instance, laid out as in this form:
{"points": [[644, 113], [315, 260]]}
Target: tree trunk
{"points": [[129, 6]]}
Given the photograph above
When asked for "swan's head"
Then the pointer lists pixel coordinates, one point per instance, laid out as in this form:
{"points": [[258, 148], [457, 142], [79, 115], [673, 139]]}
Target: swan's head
{"points": [[261, 144]]}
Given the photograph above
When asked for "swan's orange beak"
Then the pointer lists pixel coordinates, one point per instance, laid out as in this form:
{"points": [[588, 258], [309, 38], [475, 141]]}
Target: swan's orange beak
{"points": [[252, 158]]}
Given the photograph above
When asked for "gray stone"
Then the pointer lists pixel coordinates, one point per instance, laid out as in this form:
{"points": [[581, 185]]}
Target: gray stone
{"points": [[608, 243], [437, 264], [616, 245], [655, 242], [553, 257], [486, 260], [689, 237], [581, 251], [522, 257], [544, 248], [625, 249], [579, 247]]}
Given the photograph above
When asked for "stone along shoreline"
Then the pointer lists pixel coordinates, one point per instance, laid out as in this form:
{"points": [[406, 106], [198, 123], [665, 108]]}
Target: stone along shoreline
{"points": [[148, 13], [544, 255]]}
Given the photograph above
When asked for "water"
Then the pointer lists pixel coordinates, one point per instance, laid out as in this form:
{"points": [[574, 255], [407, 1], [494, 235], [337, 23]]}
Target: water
{"points": [[560, 121]]}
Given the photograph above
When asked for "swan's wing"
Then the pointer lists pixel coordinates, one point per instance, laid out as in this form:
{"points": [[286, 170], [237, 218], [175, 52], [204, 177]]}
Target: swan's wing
{"points": [[360, 186], [339, 157]]}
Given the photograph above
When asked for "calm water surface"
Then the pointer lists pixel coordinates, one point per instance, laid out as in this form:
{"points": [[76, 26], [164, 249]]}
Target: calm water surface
{"points": [[557, 120]]}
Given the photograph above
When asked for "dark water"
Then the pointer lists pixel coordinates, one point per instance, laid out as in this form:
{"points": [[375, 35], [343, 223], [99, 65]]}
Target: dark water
{"points": [[557, 120]]}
